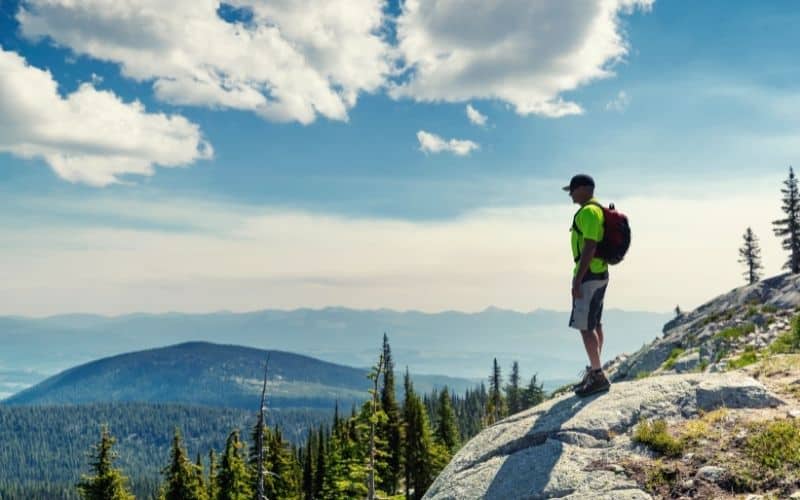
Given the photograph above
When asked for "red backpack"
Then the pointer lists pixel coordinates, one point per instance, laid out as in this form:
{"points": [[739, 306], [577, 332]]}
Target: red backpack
{"points": [[616, 234]]}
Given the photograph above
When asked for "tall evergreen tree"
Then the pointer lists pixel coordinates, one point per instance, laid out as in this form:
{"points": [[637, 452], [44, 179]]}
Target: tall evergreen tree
{"points": [[233, 480], [391, 430], [421, 459], [198, 472], [513, 390], [211, 482], [375, 416], [105, 482], [181, 478], [321, 471], [446, 432], [750, 256], [789, 227], [496, 409], [308, 468], [678, 312]]}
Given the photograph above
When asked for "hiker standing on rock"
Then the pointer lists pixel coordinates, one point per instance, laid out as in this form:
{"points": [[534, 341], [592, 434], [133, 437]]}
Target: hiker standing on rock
{"points": [[589, 280]]}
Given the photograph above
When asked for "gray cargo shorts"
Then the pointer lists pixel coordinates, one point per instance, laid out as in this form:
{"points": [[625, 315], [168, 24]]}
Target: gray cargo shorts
{"points": [[588, 310]]}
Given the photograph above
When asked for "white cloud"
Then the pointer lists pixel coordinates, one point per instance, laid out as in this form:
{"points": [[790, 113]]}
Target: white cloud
{"points": [[242, 257], [524, 52], [295, 60], [620, 103], [432, 143], [475, 116], [88, 136]]}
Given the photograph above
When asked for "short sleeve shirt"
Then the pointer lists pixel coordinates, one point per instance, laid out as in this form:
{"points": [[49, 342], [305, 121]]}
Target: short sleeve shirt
{"points": [[590, 222]]}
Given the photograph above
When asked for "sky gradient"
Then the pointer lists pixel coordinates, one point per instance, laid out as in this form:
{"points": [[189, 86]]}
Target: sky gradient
{"points": [[267, 154]]}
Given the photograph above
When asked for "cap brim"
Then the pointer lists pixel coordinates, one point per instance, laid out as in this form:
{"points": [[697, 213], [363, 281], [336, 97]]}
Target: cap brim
{"points": [[565, 188]]}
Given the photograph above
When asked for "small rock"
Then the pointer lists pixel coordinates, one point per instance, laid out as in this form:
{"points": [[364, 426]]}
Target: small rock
{"points": [[688, 457], [795, 495], [687, 484], [754, 497], [793, 413], [710, 473], [616, 468]]}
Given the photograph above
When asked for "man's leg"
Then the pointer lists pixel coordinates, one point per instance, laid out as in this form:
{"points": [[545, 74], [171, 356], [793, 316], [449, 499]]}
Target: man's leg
{"points": [[599, 331], [592, 345]]}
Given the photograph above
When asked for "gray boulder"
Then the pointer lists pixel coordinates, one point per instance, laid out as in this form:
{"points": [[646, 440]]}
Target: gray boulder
{"points": [[553, 450]]}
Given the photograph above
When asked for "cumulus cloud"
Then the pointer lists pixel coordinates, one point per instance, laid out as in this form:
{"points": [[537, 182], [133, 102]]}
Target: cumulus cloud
{"points": [[432, 143], [475, 116], [524, 52], [291, 61], [620, 103], [88, 136]]}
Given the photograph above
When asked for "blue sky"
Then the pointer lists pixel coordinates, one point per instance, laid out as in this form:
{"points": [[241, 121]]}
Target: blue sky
{"points": [[697, 113]]}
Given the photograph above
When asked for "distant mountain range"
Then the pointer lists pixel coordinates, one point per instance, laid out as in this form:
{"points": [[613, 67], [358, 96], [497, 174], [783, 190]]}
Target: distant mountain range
{"points": [[205, 374], [452, 343]]}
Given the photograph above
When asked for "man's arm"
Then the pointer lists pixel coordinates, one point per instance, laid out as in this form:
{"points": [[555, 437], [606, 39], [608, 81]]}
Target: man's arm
{"points": [[587, 254]]}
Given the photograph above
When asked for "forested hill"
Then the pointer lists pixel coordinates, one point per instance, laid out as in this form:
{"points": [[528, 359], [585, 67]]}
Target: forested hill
{"points": [[201, 373]]}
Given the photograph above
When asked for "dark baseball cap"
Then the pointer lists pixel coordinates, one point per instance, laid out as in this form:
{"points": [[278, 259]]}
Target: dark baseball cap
{"points": [[578, 181]]}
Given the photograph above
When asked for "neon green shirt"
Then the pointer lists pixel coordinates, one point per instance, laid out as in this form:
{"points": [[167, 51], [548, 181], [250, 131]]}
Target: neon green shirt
{"points": [[590, 222]]}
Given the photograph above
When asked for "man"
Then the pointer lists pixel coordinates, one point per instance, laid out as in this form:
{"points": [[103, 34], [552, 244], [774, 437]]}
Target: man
{"points": [[589, 281]]}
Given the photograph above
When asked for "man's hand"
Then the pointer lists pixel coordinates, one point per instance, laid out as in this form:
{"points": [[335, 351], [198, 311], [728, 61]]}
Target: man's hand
{"points": [[576, 289]]}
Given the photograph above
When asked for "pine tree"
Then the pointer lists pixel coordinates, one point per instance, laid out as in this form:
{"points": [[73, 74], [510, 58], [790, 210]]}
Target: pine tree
{"points": [[211, 482], [391, 430], [533, 394], [446, 432], [678, 312], [750, 256], [346, 463], [376, 417], [321, 471], [789, 227], [105, 481], [198, 471], [513, 391], [233, 480], [308, 468], [422, 461], [181, 478], [496, 409]]}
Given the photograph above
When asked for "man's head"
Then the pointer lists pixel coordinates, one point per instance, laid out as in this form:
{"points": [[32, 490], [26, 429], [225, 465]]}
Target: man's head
{"points": [[580, 189]]}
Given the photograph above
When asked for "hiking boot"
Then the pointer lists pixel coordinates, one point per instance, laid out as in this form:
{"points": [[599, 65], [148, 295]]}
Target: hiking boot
{"points": [[597, 382], [583, 375]]}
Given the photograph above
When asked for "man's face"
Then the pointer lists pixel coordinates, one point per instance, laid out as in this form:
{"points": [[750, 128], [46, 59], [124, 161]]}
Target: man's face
{"points": [[580, 194]]}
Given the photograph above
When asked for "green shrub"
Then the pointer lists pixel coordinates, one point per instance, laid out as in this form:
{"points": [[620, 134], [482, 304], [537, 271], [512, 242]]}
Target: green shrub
{"points": [[701, 366], [776, 444], [642, 374], [654, 435], [735, 332], [769, 309], [782, 344], [748, 357], [673, 356], [795, 333], [751, 311], [718, 316]]}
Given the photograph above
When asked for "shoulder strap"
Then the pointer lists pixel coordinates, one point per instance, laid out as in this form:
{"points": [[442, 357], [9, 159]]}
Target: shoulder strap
{"points": [[575, 217]]}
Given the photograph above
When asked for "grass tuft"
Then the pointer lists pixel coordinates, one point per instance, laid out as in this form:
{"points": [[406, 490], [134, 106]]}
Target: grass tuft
{"points": [[735, 332], [654, 435], [776, 444], [673, 356], [748, 357]]}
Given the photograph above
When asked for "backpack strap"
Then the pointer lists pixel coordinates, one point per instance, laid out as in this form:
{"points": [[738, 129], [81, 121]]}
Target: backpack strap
{"points": [[575, 224]]}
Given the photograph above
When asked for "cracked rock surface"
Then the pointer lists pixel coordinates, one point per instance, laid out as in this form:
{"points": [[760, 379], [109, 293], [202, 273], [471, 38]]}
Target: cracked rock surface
{"points": [[548, 451]]}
